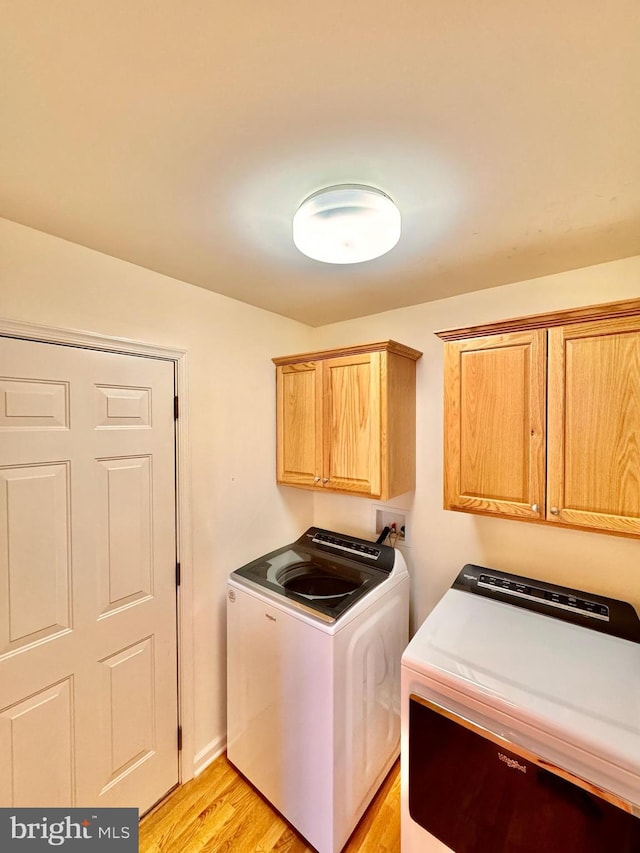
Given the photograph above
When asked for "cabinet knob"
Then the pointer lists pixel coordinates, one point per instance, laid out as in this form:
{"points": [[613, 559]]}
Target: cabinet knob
{"points": [[316, 479], [535, 507], [325, 479], [555, 510]]}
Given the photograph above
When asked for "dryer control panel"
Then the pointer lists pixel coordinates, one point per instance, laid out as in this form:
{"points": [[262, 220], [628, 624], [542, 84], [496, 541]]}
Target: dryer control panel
{"points": [[607, 615]]}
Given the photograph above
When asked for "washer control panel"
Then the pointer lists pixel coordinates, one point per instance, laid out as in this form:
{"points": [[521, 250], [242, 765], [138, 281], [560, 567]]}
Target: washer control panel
{"points": [[372, 552], [350, 547]]}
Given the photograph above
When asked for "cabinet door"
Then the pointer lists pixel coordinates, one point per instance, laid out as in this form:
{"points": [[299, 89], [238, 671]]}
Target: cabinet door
{"points": [[594, 425], [299, 424], [351, 446], [495, 424]]}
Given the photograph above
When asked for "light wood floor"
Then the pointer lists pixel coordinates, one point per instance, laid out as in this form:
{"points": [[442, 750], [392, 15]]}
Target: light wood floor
{"points": [[220, 811]]}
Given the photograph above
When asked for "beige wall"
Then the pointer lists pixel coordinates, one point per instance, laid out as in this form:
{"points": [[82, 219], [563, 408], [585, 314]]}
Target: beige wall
{"points": [[238, 511], [441, 542]]}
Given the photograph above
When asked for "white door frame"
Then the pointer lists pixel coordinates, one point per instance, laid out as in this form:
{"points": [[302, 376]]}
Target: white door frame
{"points": [[107, 343]]}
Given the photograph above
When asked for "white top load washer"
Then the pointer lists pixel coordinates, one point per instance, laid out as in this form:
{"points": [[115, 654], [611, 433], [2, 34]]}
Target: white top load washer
{"points": [[315, 634], [521, 721]]}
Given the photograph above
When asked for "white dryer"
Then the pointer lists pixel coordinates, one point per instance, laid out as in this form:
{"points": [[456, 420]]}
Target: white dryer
{"points": [[315, 634], [521, 721]]}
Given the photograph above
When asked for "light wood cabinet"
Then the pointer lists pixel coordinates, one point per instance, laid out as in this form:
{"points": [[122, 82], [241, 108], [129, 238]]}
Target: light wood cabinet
{"points": [[346, 419], [542, 418], [495, 424]]}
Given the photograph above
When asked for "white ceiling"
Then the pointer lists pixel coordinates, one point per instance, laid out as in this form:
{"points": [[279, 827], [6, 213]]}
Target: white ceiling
{"points": [[182, 135]]}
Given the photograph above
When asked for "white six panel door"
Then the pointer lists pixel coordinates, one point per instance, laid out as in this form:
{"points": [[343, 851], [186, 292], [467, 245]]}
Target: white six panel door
{"points": [[88, 647]]}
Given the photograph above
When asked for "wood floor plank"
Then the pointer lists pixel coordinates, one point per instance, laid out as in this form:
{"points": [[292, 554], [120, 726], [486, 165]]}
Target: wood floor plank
{"points": [[220, 812], [166, 823]]}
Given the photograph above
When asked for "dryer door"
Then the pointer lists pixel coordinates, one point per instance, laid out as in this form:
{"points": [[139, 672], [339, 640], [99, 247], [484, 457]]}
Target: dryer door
{"points": [[475, 791]]}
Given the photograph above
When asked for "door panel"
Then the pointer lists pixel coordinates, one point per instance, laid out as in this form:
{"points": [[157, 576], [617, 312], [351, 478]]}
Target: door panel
{"points": [[299, 424], [36, 733], [594, 425], [88, 621], [127, 695], [122, 407], [124, 532], [33, 405], [34, 569], [495, 424], [351, 395]]}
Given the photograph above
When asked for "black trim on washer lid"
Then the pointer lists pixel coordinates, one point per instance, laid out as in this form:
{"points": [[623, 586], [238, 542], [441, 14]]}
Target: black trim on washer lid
{"points": [[587, 609], [350, 547]]}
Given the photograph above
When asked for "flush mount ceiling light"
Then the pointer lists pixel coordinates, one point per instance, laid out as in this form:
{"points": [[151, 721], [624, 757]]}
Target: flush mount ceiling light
{"points": [[346, 224]]}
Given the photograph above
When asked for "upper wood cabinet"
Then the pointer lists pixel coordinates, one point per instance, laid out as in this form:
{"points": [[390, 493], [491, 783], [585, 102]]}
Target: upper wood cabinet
{"points": [[542, 418], [495, 424], [346, 419]]}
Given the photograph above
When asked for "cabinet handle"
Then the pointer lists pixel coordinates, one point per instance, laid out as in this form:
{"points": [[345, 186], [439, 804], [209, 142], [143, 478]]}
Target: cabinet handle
{"points": [[325, 479], [555, 510], [316, 479], [535, 507]]}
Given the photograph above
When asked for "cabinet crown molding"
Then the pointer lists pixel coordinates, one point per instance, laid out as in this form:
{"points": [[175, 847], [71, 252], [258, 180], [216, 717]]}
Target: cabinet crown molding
{"points": [[604, 311], [380, 346]]}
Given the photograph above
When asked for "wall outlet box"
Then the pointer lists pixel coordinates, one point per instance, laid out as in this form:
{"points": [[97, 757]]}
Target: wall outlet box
{"points": [[388, 517]]}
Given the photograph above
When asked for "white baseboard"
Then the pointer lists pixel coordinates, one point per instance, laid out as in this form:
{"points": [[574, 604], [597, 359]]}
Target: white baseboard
{"points": [[211, 751]]}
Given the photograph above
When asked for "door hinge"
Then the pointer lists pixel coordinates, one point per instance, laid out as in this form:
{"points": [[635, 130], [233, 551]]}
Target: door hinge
{"points": [[178, 574], [176, 408], [179, 738]]}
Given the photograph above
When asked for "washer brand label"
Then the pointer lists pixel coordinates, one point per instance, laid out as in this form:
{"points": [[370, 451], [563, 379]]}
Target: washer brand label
{"points": [[512, 763], [81, 830]]}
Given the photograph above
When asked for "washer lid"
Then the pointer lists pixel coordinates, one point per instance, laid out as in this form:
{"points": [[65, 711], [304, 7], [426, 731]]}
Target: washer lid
{"points": [[324, 582], [577, 684]]}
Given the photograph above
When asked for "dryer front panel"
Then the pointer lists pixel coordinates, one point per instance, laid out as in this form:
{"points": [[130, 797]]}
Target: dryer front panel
{"points": [[474, 791]]}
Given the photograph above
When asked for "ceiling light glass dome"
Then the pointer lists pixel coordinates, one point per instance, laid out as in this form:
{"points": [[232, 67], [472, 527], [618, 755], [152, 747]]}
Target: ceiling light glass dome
{"points": [[346, 224]]}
